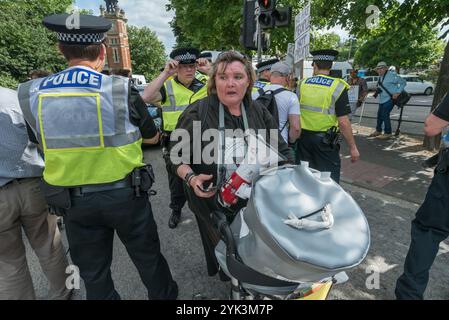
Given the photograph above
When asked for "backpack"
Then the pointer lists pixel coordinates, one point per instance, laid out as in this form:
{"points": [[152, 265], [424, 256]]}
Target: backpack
{"points": [[267, 99]]}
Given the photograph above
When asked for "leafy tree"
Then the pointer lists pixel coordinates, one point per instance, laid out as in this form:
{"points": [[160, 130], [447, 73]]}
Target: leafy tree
{"points": [[206, 24], [402, 20], [324, 41], [24, 43], [402, 49], [147, 52]]}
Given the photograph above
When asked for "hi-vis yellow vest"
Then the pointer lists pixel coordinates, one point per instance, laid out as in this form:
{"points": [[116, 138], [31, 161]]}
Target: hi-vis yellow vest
{"points": [[318, 95], [201, 77], [259, 85], [81, 119], [177, 100]]}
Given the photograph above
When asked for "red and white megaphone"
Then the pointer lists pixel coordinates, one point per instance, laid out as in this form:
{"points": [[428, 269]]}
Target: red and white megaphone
{"points": [[259, 156]]}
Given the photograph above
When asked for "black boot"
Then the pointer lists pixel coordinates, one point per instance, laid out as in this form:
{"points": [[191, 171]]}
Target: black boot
{"points": [[174, 219]]}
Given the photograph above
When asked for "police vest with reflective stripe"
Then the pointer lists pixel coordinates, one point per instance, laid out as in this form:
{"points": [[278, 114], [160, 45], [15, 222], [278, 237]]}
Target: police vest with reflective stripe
{"points": [[201, 77], [81, 119], [318, 96], [177, 100], [259, 84]]}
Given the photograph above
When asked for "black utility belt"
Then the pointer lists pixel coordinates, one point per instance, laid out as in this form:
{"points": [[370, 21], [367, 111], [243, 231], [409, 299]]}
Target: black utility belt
{"points": [[331, 137], [313, 133], [140, 179], [121, 184]]}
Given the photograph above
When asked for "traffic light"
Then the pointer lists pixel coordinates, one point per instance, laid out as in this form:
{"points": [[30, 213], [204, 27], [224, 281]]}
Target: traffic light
{"points": [[266, 7], [248, 27], [270, 16], [282, 16]]}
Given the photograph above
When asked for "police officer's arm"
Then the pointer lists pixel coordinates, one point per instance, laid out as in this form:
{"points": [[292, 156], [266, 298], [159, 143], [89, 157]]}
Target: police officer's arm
{"points": [[439, 119], [203, 65], [152, 94], [138, 115], [342, 109]]}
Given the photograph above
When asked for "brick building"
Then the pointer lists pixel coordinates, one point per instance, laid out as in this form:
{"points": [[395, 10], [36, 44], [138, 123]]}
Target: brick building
{"points": [[118, 53]]}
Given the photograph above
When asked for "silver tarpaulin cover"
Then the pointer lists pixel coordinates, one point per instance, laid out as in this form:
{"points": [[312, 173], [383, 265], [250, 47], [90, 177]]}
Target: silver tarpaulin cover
{"points": [[266, 243]]}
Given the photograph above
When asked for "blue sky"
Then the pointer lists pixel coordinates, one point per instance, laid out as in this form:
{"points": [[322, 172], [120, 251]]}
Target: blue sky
{"points": [[149, 13]]}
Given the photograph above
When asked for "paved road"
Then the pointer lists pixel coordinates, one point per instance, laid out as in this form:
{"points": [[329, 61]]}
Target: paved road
{"points": [[417, 109], [389, 220]]}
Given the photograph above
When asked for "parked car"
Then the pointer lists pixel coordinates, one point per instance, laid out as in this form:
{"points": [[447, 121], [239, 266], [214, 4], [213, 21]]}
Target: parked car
{"points": [[371, 81], [415, 85], [155, 113]]}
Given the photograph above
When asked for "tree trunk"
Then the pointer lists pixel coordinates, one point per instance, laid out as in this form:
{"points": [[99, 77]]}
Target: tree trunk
{"points": [[442, 87]]}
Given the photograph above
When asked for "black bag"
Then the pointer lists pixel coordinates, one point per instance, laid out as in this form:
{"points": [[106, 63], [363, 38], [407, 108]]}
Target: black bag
{"points": [[400, 101], [266, 98]]}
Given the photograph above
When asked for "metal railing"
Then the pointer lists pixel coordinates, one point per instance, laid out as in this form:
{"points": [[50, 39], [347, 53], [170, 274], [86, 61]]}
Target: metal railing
{"points": [[392, 119]]}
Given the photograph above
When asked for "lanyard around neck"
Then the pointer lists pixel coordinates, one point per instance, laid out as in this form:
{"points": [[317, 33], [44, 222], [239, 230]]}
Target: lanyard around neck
{"points": [[222, 140]]}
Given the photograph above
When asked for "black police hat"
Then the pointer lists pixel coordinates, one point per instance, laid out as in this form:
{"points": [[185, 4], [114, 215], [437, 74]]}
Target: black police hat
{"points": [[206, 55], [265, 65], [90, 30], [324, 55], [185, 55]]}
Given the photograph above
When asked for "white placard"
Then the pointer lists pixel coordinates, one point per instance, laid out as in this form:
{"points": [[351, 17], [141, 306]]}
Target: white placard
{"points": [[302, 34], [302, 22], [290, 58], [302, 47]]}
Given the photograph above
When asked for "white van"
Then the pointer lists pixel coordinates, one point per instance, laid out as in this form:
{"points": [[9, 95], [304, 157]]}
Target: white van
{"points": [[341, 69], [139, 79]]}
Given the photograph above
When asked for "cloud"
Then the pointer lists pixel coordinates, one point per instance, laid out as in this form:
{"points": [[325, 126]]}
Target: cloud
{"points": [[142, 13]]}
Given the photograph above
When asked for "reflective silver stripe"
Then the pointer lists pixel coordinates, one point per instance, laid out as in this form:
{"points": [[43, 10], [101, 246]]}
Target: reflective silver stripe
{"points": [[119, 103], [330, 111], [24, 99], [171, 93], [174, 108], [336, 94], [83, 142]]}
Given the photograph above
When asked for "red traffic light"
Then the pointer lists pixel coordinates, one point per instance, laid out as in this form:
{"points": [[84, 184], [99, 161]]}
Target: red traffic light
{"points": [[267, 4]]}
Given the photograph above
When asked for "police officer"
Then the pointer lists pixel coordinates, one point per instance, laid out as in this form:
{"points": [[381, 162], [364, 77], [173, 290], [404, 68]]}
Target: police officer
{"points": [[263, 71], [325, 107], [90, 128], [202, 73], [431, 224], [175, 94]]}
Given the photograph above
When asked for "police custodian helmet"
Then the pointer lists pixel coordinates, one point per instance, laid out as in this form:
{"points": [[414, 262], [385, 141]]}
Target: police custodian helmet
{"points": [[86, 30], [185, 55]]}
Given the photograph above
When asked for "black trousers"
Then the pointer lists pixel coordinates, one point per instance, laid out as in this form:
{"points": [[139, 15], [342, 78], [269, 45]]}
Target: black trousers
{"points": [[429, 228], [175, 184], [90, 226], [321, 156]]}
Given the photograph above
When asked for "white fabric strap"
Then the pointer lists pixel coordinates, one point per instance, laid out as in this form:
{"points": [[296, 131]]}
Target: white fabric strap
{"points": [[307, 224]]}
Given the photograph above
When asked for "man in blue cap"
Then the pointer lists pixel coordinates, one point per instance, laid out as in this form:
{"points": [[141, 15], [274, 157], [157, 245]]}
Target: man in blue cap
{"points": [[90, 127], [325, 108], [175, 93]]}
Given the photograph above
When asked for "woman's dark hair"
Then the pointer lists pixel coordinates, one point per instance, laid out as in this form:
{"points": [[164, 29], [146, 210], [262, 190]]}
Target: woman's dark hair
{"points": [[224, 59]]}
